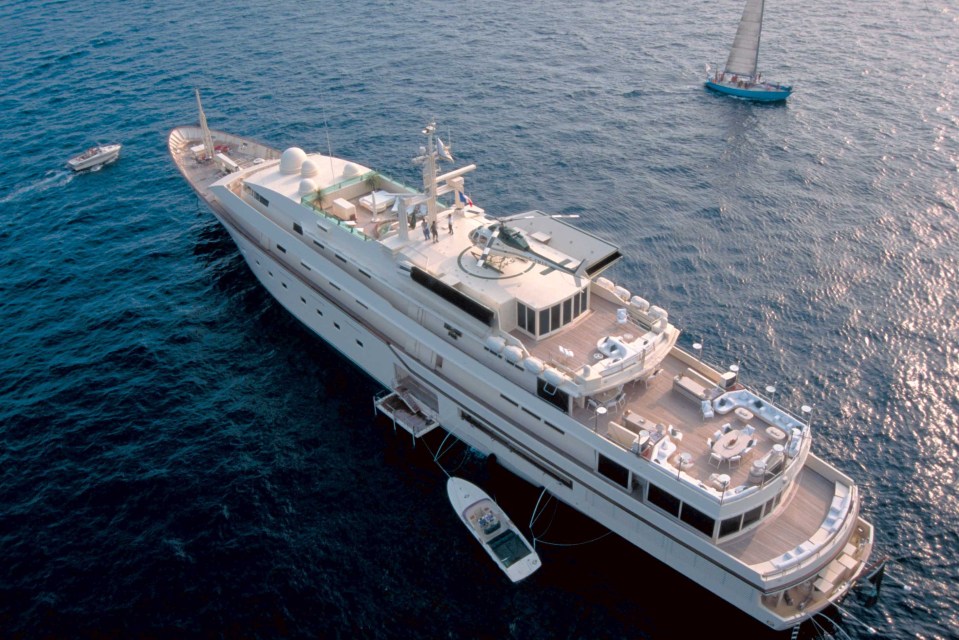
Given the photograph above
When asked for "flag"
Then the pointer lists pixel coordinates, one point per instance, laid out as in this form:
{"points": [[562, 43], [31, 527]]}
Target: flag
{"points": [[465, 199]]}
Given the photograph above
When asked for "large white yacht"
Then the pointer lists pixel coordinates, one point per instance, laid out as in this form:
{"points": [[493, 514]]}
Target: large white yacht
{"points": [[501, 331]]}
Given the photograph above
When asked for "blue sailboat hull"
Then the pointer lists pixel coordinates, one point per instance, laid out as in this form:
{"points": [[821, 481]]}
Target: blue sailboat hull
{"points": [[763, 92]]}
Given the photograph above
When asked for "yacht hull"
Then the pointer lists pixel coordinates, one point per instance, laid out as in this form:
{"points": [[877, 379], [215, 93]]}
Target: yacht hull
{"points": [[467, 414], [337, 300], [756, 92]]}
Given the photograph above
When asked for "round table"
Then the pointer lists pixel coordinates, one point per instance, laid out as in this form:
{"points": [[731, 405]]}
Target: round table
{"points": [[731, 444], [600, 411]]}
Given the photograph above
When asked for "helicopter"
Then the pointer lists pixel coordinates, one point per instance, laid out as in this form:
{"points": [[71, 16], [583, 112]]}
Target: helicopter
{"points": [[502, 241]]}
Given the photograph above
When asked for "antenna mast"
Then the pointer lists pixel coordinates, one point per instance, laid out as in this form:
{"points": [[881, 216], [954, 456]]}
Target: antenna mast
{"points": [[207, 138]]}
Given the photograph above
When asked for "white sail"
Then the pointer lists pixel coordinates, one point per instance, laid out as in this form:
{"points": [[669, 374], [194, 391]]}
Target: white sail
{"points": [[744, 55]]}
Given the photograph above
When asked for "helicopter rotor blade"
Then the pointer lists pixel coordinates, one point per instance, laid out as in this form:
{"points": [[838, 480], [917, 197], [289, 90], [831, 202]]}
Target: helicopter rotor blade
{"points": [[489, 244], [558, 215]]}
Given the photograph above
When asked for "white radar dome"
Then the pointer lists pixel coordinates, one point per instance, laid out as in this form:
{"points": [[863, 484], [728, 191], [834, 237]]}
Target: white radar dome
{"points": [[291, 160], [309, 169], [307, 186]]}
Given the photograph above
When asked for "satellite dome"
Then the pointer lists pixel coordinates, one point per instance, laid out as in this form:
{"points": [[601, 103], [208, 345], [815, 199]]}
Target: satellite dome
{"points": [[307, 186], [350, 170], [291, 160], [309, 169]]}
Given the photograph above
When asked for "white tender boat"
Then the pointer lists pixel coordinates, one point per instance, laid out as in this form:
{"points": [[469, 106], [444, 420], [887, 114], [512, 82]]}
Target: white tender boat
{"points": [[493, 529], [95, 157], [503, 332]]}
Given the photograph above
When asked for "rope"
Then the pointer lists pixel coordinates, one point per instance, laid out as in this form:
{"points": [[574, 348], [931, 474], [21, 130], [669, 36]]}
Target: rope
{"points": [[575, 544], [436, 456], [825, 633], [535, 515], [537, 512]]}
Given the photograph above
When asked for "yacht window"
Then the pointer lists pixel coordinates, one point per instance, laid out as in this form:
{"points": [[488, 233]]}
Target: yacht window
{"points": [[583, 301], [553, 395], [751, 516], [614, 471], [521, 315], [554, 317], [729, 526], [664, 500], [298, 228], [567, 310], [576, 305], [530, 320], [543, 322], [552, 426], [698, 520]]}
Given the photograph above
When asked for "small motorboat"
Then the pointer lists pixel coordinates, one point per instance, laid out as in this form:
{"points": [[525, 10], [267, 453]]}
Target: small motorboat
{"points": [[95, 157], [493, 529]]}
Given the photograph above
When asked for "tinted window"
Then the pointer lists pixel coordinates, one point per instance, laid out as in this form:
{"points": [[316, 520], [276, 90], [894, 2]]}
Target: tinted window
{"points": [[752, 516], [615, 472], [728, 526], [698, 520], [665, 501]]}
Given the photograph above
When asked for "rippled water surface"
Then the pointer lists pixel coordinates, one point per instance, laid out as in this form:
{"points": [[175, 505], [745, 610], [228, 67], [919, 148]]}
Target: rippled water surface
{"points": [[180, 458]]}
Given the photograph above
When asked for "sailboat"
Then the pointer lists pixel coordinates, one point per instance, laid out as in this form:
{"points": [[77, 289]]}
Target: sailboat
{"points": [[740, 77]]}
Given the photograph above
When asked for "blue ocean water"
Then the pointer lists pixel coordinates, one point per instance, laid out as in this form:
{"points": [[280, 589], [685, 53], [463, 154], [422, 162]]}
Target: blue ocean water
{"points": [[179, 458]]}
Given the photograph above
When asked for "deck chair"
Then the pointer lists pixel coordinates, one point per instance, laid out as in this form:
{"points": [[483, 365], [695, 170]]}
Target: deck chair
{"points": [[727, 427], [620, 400], [749, 430], [735, 461], [707, 408], [715, 459]]}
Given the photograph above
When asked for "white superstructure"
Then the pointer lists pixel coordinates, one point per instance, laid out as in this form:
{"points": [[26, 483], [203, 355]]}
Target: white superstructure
{"points": [[503, 332]]}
